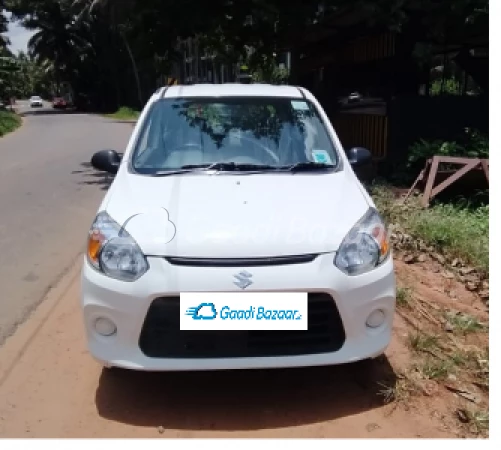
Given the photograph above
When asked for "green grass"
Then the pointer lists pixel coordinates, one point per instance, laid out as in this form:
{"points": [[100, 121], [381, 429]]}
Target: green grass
{"points": [[404, 296], [423, 342], [464, 359], [461, 231], [458, 230], [124, 113], [437, 370], [400, 392], [479, 420], [9, 121], [464, 323]]}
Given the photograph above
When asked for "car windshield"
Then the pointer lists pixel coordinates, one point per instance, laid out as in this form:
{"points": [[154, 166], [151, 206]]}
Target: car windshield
{"points": [[265, 133]]}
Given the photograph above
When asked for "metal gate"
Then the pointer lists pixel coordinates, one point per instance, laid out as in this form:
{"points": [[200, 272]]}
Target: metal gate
{"points": [[363, 130]]}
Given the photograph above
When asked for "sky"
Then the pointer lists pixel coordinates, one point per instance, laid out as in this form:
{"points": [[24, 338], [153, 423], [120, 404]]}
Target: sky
{"points": [[18, 36]]}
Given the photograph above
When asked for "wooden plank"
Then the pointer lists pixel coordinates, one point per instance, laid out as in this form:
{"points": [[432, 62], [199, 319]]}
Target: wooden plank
{"points": [[455, 159], [485, 165], [449, 180], [385, 138], [429, 174], [384, 132], [377, 136], [429, 183], [420, 177]]}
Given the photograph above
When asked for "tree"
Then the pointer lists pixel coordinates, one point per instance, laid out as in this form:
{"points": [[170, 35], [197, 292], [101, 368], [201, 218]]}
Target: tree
{"points": [[113, 51], [120, 23], [4, 41], [57, 38]]}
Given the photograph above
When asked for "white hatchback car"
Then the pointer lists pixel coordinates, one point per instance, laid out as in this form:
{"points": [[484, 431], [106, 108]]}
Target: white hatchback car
{"points": [[36, 102], [206, 168]]}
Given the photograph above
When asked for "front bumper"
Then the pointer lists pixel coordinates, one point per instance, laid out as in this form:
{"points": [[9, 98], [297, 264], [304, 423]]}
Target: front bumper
{"points": [[127, 305]]}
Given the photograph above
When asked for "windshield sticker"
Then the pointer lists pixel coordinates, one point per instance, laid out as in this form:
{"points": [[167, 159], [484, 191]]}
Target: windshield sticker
{"points": [[300, 106], [321, 156]]}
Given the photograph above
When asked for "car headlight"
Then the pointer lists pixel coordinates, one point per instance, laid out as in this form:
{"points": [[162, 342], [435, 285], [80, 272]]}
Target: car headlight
{"points": [[111, 250], [365, 246]]}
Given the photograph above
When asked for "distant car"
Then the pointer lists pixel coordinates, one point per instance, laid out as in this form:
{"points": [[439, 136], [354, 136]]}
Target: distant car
{"points": [[59, 103], [36, 102], [354, 97]]}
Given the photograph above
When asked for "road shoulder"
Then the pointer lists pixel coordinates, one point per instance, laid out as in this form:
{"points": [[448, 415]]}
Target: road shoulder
{"points": [[16, 345]]}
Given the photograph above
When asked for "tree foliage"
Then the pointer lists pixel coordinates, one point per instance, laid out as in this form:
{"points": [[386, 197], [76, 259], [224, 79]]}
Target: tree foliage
{"points": [[113, 51]]}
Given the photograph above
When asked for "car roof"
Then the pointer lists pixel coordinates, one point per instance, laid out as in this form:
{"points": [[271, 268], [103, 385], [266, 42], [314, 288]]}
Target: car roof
{"points": [[232, 90]]}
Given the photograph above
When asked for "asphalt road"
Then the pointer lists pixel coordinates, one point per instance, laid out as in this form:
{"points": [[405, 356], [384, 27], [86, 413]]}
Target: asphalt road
{"points": [[48, 198]]}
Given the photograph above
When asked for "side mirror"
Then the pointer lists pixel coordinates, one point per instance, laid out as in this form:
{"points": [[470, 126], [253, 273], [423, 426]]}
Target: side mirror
{"points": [[359, 156], [360, 159], [106, 160]]}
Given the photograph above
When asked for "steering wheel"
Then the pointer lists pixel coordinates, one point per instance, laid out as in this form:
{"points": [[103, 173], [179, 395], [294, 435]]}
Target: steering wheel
{"points": [[263, 147], [187, 145], [152, 155], [186, 153]]}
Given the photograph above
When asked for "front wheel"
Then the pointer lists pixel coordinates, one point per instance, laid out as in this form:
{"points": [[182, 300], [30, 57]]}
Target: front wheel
{"points": [[113, 372]]}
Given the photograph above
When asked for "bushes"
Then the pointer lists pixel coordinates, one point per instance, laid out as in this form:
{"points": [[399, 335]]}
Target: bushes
{"points": [[472, 144], [124, 113], [451, 86], [9, 121]]}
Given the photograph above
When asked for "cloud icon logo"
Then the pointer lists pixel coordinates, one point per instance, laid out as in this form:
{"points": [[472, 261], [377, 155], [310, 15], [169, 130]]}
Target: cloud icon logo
{"points": [[152, 226], [204, 311]]}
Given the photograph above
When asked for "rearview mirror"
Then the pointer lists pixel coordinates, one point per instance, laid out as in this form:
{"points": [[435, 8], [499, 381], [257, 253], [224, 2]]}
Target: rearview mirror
{"points": [[361, 160], [106, 160]]}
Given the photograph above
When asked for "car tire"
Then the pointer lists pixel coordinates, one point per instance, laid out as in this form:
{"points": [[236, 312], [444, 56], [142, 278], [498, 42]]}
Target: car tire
{"points": [[363, 364], [113, 372]]}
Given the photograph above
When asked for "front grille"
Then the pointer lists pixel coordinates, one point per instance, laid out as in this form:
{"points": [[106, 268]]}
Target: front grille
{"points": [[241, 262], [162, 338]]}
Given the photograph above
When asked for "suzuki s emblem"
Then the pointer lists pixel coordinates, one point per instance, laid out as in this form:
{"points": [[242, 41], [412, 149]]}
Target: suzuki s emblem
{"points": [[243, 279]]}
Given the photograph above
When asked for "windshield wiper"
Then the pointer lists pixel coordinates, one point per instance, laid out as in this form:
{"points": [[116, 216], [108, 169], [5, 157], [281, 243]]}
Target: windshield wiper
{"points": [[166, 173], [244, 168], [230, 166], [307, 166], [187, 168], [217, 166]]}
